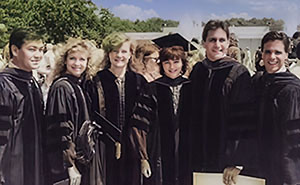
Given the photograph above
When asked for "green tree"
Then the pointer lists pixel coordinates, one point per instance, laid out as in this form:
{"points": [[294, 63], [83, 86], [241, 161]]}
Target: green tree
{"points": [[276, 25], [10, 17], [57, 19], [3, 35], [155, 24], [150, 25], [123, 25]]}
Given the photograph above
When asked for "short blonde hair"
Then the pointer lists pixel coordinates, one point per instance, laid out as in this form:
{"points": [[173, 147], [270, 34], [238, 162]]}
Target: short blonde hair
{"points": [[73, 45], [114, 41]]}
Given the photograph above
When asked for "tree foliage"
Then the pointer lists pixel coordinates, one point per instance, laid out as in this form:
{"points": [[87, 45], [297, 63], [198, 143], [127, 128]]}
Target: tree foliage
{"points": [[150, 25], [276, 25], [56, 19]]}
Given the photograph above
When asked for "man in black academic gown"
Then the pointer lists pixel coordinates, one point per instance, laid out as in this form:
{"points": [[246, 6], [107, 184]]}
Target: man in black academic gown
{"points": [[220, 92], [278, 96], [21, 113]]}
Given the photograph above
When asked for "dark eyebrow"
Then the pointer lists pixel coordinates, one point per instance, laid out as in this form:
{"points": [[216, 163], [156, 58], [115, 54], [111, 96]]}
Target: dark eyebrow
{"points": [[212, 39]]}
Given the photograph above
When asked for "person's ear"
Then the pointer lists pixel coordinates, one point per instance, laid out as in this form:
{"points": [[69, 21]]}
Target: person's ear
{"points": [[14, 50]]}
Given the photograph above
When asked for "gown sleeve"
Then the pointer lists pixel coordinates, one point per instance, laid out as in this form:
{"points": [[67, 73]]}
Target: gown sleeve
{"points": [[6, 123], [60, 128], [143, 115], [241, 124], [288, 103]]}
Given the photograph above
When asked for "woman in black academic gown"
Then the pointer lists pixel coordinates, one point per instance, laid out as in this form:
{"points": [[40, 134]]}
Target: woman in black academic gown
{"points": [[116, 91], [68, 127], [169, 91]]}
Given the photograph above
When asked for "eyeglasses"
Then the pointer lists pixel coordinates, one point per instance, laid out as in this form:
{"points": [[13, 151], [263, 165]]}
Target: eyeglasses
{"points": [[152, 58]]}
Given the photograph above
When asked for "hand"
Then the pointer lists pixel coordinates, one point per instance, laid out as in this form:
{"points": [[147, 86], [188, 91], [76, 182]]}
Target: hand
{"points": [[230, 174], [2, 181], [145, 168], [118, 150], [74, 175]]}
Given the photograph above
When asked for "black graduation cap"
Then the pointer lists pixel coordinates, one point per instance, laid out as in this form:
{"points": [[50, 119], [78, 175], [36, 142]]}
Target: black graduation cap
{"points": [[174, 40], [298, 50]]}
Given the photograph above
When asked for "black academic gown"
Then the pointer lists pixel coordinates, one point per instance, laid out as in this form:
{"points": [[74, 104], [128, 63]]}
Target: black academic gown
{"points": [[166, 122], [66, 111], [278, 97], [126, 170], [170, 126], [22, 130], [219, 93]]}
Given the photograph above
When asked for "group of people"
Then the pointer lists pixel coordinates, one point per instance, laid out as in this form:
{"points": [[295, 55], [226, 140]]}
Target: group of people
{"points": [[133, 117]]}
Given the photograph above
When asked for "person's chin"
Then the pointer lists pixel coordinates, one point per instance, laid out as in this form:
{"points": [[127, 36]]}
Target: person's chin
{"points": [[34, 67], [217, 58], [35, 63], [272, 69], [76, 74], [120, 65], [173, 76]]}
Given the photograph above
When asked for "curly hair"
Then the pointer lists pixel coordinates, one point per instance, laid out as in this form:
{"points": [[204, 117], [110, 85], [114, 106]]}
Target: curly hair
{"points": [[73, 45]]}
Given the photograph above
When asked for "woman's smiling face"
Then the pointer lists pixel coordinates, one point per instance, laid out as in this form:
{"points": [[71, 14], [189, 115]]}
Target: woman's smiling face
{"points": [[172, 67], [76, 62]]}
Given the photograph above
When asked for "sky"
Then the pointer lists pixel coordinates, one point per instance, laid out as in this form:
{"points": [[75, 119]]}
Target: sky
{"points": [[190, 12]]}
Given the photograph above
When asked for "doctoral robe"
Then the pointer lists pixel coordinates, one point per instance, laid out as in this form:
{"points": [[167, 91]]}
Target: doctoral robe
{"points": [[22, 129], [278, 106], [169, 95], [116, 104], [220, 92], [66, 112]]}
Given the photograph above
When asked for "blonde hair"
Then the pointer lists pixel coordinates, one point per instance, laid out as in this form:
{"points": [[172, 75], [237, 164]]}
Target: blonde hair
{"points": [[111, 42], [73, 45], [6, 57]]}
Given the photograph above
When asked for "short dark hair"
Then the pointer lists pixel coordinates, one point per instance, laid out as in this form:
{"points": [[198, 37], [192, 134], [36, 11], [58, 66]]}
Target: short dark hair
{"points": [[275, 35], [213, 25], [174, 52], [20, 35]]}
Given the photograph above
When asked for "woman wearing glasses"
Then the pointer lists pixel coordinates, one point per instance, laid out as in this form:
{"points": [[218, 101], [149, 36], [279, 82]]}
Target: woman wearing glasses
{"points": [[146, 61]]}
